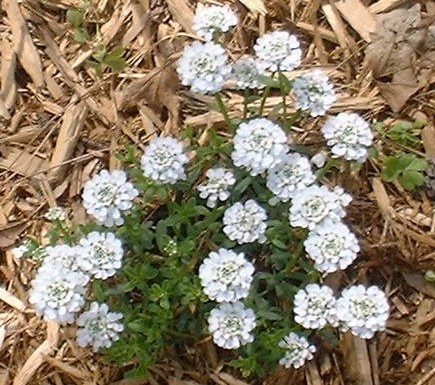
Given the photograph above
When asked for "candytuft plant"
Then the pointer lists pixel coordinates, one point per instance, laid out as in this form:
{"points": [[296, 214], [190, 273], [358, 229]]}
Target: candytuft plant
{"points": [[229, 239]]}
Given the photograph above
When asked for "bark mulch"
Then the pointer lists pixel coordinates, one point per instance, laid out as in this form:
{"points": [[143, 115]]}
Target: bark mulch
{"points": [[60, 123]]}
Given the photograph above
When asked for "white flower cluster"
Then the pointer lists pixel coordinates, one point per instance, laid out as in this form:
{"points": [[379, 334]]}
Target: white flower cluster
{"points": [[217, 187], [56, 214], [278, 50], [363, 310], [107, 195], [314, 93], [164, 159], [231, 325], [297, 351], [259, 145], [245, 223], [332, 246], [317, 203], [213, 19], [315, 307], [98, 327], [291, 175], [349, 136], [226, 276], [204, 67], [246, 72], [59, 288]]}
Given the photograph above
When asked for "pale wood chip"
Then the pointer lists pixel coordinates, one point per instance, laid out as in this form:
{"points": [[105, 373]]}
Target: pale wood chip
{"points": [[10, 232], [428, 139], [182, 13], [385, 5], [312, 374], [358, 16], [38, 357], [68, 369], [22, 162], [255, 6], [8, 64], [229, 379], [69, 133], [11, 300], [25, 49]]}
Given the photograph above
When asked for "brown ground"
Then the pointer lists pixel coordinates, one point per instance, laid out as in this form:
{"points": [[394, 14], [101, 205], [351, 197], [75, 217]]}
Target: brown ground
{"points": [[60, 123]]}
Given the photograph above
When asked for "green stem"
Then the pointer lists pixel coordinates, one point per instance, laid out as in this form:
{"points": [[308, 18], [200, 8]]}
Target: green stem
{"points": [[245, 103], [263, 99], [224, 111]]}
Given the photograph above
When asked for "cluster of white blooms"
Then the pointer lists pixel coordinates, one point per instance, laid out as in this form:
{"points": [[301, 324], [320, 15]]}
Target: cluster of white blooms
{"points": [[315, 307], [362, 310], [246, 72], [226, 276], [259, 144], [204, 67], [217, 187], [58, 296], [213, 19], [62, 257], [102, 255], [231, 325], [349, 136], [246, 222], [293, 174], [332, 246], [317, 203], [278, 50], [21, 250], [98, 327], [56, 214], [164, 159], [297, 351], [107, 195], [314, 93]]}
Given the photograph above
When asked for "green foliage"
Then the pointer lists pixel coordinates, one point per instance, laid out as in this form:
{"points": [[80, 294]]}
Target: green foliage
{"points": [[404, 132], [406, 168], [103, 59]]}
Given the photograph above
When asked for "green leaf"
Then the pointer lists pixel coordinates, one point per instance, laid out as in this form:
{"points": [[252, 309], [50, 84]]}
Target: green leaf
{"points": [[284, 83], [99, 54], [418, 164], [81, 35], [114, 59], [411, 179], [75, 17], [268, 81]]}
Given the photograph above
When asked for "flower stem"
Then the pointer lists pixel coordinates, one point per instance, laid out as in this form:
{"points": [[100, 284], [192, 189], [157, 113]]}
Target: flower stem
{"points": [[224, 111]]}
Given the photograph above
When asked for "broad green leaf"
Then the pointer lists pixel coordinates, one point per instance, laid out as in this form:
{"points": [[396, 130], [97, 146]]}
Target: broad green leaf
{"points": [[411, 179], [75, 17]]}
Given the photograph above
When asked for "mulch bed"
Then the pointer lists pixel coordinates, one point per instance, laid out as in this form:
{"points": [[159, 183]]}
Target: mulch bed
{"points": [[60, 122]]}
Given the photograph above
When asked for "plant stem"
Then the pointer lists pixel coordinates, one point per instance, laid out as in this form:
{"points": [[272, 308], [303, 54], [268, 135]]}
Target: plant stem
{"points": [[245, 102], [224, 111], [263, 99]]}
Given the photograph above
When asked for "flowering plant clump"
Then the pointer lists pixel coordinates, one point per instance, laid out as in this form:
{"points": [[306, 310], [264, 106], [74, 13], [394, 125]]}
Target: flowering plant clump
{"points": [[220, 234]]}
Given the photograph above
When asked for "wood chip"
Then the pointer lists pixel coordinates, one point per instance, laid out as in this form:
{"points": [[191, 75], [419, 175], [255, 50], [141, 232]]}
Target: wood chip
{"points": [[385, 5], [21, 162], [255, 6], [25, 49], [8, 63], [69, 133], [358, 16], [11, 300], [182, 13]]}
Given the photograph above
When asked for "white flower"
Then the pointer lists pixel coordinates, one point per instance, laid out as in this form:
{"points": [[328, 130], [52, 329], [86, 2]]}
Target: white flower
{"points": [[99, 327], [21, 250], [58, 295], [319, 159], [291, 175], [363, 311], [349, 136], [332, 246], [107, 195], [56, 214], [298, 350], [315, 307], [213, 19], [259, 144], [217, 187], [204, 67], [62, 257], [317, 203], [246, 72], [245, 223], [314, 93], [226, 276], [231, 325], [102, 255], [164, 159], [278, 50]]}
